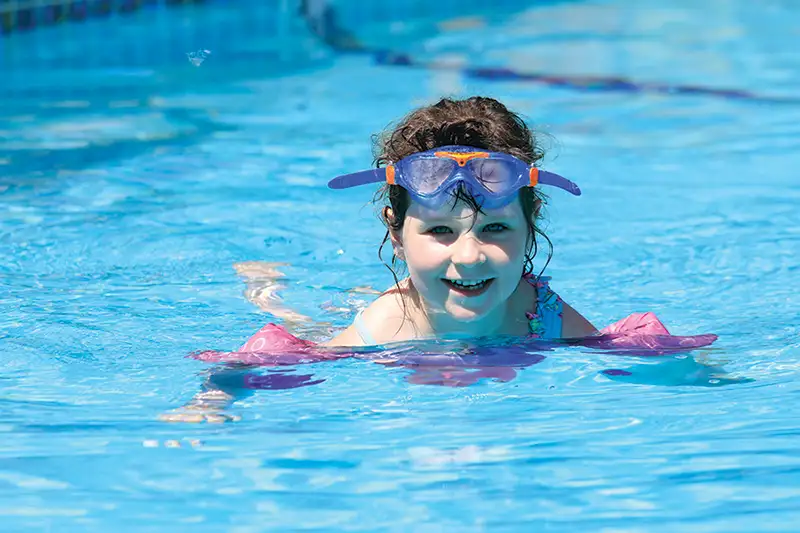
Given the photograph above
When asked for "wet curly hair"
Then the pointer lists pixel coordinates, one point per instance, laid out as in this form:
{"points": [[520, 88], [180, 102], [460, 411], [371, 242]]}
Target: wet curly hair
{"points": [[480, 122]]}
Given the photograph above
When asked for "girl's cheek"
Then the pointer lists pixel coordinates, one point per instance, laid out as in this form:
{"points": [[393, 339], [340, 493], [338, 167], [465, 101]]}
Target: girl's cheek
{"points": [[423, 265], [510, 249], [421, 256]]}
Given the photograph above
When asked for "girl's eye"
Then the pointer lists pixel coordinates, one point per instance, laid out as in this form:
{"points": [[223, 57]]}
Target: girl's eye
{"points": [[439, 230], [495, 228]]}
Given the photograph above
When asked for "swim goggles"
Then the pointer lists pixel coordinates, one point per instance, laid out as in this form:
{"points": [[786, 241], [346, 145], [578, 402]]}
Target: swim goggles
{"points": [[492, 178]]}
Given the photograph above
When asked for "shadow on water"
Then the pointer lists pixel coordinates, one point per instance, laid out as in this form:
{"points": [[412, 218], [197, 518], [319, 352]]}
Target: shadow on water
{"points": [[460, 364]]}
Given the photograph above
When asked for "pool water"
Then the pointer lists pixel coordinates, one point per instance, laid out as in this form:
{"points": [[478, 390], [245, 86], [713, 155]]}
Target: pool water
{"points": [[122, 223]]}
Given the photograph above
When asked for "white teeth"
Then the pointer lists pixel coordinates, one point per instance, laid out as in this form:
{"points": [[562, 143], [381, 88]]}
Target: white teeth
{"points": [[467, 284]]}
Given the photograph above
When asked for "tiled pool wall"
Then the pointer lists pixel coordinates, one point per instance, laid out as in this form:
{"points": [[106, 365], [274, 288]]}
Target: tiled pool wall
{"points": [[22, 16], [57, 47], [17, 16]]}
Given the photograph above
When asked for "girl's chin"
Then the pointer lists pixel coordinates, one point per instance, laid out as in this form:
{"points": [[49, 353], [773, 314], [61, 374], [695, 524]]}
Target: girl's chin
{"points": [[462, 314]]}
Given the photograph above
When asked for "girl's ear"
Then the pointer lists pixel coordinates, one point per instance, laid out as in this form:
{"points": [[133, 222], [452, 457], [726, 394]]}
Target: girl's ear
{"points": [[396, 236]]}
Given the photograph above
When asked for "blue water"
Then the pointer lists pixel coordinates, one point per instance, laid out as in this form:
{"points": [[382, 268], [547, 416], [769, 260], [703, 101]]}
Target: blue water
{"points": [[121, 223]]}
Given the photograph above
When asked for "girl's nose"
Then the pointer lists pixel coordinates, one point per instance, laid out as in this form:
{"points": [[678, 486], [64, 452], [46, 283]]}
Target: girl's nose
{"points": [[467, 251]]}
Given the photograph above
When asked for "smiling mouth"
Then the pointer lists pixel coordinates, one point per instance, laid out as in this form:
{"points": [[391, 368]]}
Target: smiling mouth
{"points": [[468, 287]]}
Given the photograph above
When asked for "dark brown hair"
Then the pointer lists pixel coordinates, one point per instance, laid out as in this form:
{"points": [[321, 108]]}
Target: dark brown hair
{"points": [[479, 122]]}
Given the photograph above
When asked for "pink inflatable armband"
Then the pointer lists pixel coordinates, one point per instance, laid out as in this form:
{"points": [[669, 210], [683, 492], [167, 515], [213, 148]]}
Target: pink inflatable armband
{"points": [[644, 334], [638, 323], [271, 345]]}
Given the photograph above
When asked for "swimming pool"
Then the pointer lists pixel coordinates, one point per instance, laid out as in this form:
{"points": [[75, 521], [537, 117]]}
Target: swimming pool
{"points": [[121, 224]]}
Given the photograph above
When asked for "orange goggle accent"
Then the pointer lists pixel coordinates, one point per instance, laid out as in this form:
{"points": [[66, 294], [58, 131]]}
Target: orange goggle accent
{"points": [[460, 157], [534, 176]]}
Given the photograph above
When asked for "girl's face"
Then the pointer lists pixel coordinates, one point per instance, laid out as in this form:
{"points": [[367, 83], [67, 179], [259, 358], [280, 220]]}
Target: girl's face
{"points": [[464, 264]]}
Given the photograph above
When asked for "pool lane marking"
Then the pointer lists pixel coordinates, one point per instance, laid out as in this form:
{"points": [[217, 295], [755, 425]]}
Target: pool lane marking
{"points": [[323, 22]]}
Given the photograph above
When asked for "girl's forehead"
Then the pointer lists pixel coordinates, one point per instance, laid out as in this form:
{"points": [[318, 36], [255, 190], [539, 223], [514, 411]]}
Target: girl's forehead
{"points": [[462, 211]]}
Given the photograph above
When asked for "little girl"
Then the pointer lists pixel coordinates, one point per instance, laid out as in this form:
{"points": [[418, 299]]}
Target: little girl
{"points": [[462, 212], [463, 215]]}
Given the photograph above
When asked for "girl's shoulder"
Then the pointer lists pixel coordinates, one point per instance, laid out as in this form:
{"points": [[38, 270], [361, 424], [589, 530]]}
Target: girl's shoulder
{"points": [[382, 321]]}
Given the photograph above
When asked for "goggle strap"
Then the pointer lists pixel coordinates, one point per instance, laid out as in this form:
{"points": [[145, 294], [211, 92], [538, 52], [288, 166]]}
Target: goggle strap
{"points": [[554, 180], [374, 175]]}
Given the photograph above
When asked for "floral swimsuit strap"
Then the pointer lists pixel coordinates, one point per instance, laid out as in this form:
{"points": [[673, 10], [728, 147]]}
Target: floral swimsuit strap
{"points": [[545, 323]]}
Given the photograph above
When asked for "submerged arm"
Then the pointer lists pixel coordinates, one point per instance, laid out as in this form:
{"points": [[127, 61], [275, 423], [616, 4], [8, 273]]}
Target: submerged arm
{"points": [[263, 281], [221, 387]]}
